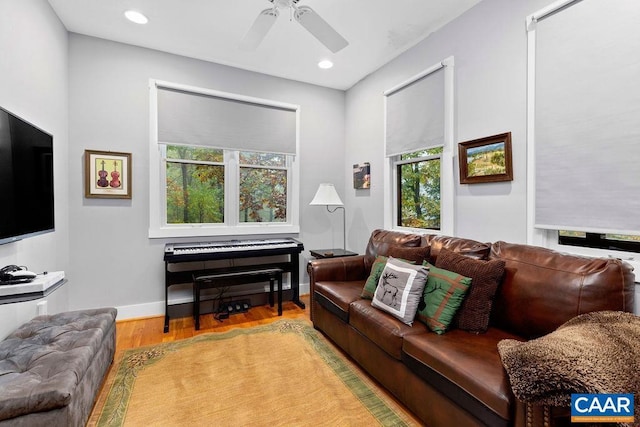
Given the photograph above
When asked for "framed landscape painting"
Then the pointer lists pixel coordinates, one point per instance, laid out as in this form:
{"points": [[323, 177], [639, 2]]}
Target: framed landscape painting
{"points": [[486, 159]]}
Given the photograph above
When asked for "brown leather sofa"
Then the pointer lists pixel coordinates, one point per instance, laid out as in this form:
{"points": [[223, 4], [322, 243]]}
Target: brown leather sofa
{"points": [[458, 378]]}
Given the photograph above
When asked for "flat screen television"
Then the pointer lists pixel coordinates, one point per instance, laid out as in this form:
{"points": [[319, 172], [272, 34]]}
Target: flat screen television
{"points": [[26, 179]]}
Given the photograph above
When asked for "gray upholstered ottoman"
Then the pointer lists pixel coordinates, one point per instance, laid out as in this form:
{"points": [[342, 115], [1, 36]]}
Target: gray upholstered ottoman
{"points": [[52, 367]]}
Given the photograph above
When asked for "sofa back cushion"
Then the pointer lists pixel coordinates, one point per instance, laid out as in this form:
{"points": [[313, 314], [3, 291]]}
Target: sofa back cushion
{"points": [[391, 243], [542, 288], [468, 247], [382, 240]]}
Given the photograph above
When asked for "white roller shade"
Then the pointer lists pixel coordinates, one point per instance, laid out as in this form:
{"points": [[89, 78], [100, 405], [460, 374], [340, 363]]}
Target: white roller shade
{"points": [[201, 119], [415, 114], [587, 118]]}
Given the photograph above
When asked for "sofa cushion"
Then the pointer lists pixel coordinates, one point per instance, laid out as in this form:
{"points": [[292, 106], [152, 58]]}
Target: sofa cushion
{"points": [[381, 240], [458, 361], [471, 248], [383, 329], [400, 289], [413, 255], [443, 294], [43, 361], [474, 315], [336, 296]]}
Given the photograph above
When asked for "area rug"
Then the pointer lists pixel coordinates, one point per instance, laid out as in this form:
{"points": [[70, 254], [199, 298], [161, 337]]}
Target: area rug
{"points": [[281, 374]]}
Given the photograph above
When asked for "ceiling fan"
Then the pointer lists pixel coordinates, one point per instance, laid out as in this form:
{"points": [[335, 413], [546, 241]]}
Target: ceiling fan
{"points": [[306, 16]]}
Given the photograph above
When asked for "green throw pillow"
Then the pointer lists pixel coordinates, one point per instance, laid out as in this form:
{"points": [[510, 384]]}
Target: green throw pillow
{"points": [[372, 281], [442, 296]]}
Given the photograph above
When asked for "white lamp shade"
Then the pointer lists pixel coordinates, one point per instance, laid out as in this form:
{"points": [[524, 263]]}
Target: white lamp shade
{"points": [[326, 195]]}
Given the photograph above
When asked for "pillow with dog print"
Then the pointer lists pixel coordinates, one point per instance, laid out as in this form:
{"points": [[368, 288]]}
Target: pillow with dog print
{"points": [[399, 289]]}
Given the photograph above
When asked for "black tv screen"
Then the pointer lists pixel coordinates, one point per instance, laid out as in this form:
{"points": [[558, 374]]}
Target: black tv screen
{"points": [[26, 179]]}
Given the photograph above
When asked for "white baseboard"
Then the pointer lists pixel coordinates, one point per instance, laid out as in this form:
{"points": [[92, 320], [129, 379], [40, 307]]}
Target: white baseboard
{"points": [[156, 308], [149, 309]]}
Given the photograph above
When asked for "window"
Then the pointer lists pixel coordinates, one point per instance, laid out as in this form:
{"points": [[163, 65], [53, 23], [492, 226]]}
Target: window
{"points": [[194, 185], [263, 187], [221, 164], [418, 148], [418, 192], [617, 242], [582, 124]]}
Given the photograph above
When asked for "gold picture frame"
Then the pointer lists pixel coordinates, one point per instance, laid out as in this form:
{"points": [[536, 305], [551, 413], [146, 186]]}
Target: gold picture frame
{"points": [[107, 174], [486, 159]]}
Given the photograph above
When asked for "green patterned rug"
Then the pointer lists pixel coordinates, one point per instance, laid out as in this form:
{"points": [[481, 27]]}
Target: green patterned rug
{"points": [[281, 374]]}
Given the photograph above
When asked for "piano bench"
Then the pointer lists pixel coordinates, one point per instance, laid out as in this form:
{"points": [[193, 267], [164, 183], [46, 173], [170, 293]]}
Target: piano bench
{"points": [[235, 277]]}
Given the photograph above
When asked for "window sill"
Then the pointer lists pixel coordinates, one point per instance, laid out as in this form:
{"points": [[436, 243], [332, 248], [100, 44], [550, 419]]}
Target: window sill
{"points": [[215, 231]]}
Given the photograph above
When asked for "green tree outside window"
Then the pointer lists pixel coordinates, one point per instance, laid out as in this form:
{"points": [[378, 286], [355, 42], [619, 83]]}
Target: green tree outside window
{"points": [[419, 189]]}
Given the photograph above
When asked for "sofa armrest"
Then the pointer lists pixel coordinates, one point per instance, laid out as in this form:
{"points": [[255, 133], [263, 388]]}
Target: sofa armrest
{"points": [[340, 269], [337, 269]]}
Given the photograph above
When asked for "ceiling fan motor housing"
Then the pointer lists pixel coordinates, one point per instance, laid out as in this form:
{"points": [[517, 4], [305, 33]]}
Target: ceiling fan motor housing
{"points": [[284, 3]]}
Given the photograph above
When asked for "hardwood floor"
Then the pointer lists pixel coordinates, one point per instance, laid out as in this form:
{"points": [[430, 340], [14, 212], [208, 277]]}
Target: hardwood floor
{"points": [[147, 331]]}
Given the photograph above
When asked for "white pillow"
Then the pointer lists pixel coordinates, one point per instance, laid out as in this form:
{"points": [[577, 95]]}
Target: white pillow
{"points": [[400, 289]]}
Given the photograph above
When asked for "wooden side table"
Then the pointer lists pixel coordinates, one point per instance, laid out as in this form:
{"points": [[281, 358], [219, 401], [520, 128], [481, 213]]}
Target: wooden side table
{"points": [[331, 253]]}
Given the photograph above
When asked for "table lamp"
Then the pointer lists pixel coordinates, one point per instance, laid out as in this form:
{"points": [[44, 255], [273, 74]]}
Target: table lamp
{"points": [[328, 196]]}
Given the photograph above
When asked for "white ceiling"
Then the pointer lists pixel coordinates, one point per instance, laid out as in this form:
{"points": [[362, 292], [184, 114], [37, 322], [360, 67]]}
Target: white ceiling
{"points": [[377, 31]]}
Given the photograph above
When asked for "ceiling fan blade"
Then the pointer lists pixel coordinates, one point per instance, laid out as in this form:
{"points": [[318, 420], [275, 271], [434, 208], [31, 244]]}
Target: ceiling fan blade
{"points": [[259, 29], [319, 28]]}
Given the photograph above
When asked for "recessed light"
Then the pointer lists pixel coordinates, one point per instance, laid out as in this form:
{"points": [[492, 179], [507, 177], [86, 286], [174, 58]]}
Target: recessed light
{"points": [[325, 64], [135, 16]]}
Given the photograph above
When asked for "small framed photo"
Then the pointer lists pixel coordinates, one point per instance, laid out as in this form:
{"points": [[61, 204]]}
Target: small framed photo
{"points": [[107, 174], [362, 176], [486, 159]]}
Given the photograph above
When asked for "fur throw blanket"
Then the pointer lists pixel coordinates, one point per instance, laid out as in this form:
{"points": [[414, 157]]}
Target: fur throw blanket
{"points": [[596, 352]]}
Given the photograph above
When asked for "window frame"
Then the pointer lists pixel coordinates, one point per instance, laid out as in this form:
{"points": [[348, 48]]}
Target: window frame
{"points": [[398, 162], [549, 239], [599, 241], [447, 176], [158, 227]]}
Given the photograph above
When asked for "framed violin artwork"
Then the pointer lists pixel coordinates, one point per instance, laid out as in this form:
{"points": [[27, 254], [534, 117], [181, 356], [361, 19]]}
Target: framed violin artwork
{"points": [[107, 174]]}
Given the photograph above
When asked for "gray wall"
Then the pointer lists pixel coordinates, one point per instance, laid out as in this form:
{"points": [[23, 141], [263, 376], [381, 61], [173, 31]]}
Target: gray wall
{"points": [[490, 49], [33, 85], [112, 260]]}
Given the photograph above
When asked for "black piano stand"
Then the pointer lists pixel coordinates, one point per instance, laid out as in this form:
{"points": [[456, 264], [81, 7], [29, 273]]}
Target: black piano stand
{"points": [[236, 277]]}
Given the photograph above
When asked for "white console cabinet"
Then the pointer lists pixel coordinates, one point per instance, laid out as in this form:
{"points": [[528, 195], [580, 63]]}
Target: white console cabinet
{"points": [[47, 294]]}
